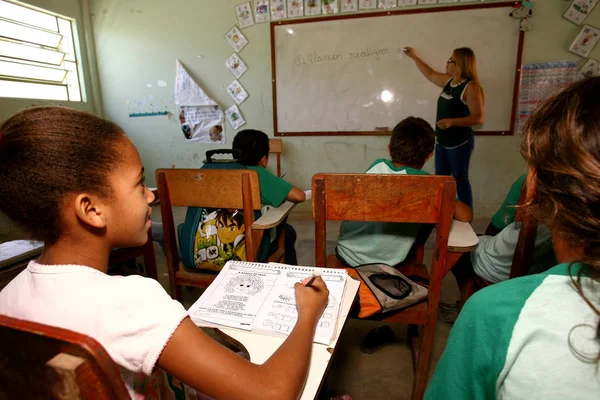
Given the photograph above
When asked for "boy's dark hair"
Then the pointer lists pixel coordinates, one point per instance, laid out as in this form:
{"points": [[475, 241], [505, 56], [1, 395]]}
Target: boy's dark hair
{"points": [[412, 141], [47, 153], [253, 146]]}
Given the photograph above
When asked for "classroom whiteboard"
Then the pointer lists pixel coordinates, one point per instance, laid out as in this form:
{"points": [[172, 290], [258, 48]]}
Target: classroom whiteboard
{"points": [[347, 75]]}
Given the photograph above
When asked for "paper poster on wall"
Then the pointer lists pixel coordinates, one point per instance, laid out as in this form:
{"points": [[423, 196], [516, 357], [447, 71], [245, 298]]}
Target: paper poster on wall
{"points": [[447, 1], [367, 4], [236, 39], [236, 65], [349, 5], [201, 118], [278, 9], [590, 68], [468, 1], [244, 15], [237, 92], [579, 10], [585, 41], [425, 2], [330, 6], [234, 117], [388, 3], [405, 3], [261, 11], [295, 8]]}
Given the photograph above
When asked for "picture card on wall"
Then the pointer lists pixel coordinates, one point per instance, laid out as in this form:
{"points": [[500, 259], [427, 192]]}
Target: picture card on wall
{"points": [[330, 6], [585, 41], [312, 7], [590, 68], [295, 8], [236, 39], [579, 10], [244, 15], [388, 3], [367, 4], [405, 3], [236, 65], [234, 116], [278, 9], [237, 92], [425, 2], [447, 1], [261, 11], [349, 5]]}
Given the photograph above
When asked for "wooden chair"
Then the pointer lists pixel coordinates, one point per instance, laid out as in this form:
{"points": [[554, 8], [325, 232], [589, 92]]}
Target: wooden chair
{"points": [[393, 198], [213, 188], [276, 146], [45, 362], [146, 251]]}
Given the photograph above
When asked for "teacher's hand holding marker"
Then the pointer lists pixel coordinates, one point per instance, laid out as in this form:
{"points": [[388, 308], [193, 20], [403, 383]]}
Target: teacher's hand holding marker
{"points": [[459, 108]]}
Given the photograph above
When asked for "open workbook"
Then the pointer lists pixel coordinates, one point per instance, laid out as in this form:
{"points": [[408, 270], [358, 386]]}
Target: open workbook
{"points": [[260, 298]]}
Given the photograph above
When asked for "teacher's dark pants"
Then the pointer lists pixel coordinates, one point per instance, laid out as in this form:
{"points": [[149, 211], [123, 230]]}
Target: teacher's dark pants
{"points": [[456, 162]]}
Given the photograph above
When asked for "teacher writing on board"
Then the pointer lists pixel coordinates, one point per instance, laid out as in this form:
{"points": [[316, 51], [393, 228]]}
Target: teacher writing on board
{"points": [[459, 108]]}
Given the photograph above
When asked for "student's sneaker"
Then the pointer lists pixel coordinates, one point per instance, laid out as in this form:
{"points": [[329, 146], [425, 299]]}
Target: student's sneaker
{"points": [[449, 312]]}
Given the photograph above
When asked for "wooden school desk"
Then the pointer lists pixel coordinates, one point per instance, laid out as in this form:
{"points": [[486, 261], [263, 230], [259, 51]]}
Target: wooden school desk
{"points": [[261, 347], [462, 239]]}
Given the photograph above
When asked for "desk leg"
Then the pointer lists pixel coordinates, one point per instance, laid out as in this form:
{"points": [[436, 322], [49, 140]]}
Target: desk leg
{"points": [[451, 260]]}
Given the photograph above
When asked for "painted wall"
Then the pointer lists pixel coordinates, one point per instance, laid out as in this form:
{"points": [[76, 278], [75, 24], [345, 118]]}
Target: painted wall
{"points": [[137, 42], [8, 106]]}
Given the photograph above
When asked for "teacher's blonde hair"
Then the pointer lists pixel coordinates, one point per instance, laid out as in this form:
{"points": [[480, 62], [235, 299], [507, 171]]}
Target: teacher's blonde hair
{"points": [[467, 65]]}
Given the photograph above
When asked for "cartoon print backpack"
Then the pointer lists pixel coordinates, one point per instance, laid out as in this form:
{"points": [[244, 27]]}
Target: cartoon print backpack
{"points": [[209, 237]]}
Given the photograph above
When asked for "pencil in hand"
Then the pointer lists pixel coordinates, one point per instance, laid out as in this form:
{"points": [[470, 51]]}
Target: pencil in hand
{"points": [[316, 272]]}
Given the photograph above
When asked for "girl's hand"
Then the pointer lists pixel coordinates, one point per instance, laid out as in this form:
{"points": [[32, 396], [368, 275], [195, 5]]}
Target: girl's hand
{"points": [[312, 300], [444, 123]]}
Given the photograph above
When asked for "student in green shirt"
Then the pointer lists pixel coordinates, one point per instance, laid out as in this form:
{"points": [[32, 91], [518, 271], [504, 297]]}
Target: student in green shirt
{"points": [[538, 336], [254, 148]]}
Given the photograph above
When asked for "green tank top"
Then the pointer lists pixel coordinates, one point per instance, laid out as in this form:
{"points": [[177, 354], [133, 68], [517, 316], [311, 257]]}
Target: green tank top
{"points": [[451, 105]]}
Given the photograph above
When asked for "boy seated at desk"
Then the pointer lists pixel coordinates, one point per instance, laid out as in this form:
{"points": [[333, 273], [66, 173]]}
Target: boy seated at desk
{"points": [[254, 148], [359, 243]]}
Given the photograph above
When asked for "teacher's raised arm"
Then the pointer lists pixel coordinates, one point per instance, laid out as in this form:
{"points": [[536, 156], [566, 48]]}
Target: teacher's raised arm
{"points": [[459, 108]]}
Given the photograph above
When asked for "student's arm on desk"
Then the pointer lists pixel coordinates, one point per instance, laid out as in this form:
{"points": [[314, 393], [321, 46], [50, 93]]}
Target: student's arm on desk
{"points": [[463, 212], [197, 360], [296, 195]]}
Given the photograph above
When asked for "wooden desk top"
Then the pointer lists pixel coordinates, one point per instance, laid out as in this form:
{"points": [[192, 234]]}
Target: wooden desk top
{"points": [[261, 347], [462, 237]]}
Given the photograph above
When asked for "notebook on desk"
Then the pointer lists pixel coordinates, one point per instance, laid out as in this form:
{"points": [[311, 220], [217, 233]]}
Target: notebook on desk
{"points": [[260, 298]]}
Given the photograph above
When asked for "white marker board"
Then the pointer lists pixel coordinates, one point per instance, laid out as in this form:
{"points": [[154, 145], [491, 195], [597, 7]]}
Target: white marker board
{"points": [[348, 75]]}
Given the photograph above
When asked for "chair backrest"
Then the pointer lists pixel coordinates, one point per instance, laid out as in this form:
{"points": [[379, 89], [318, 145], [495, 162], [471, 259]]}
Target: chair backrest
{"points": [[523, 256], [385, 198], [276, 147], [207, 188], [46, 362]]}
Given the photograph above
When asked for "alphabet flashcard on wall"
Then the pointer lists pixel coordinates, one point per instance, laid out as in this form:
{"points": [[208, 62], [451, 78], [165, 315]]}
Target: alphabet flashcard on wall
{"points": [[330, 7], [585, 41], [426, 2], [295, 8], [237, 92], [349, 5], [261, 11], [278, 9], [312, 7], [405, 3], [367, 4], [236, 39], [234, 117], [388, 3], [236, 65], [579, 10], [244, 15], [447, 1], [590, 68]]}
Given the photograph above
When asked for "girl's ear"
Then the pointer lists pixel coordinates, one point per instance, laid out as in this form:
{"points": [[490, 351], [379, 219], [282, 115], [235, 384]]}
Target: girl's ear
{"points": [[90, 210]]}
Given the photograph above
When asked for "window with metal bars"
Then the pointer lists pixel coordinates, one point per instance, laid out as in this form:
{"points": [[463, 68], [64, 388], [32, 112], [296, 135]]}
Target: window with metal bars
{"points": [[38, 59]]}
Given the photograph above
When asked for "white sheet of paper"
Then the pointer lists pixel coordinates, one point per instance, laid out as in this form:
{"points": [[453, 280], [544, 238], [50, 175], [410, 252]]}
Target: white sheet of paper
{"points": [[388, 4], [295, 8], [236, 39], [188, 92], [312, 7], [590, 68], [585, 41], [237, 92], [330, 7], [204, 124], [261, 11], [308, 194], [244, 15], [278, 9], [579, 10], [236, 65], [349, 5], [234, 116]]}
